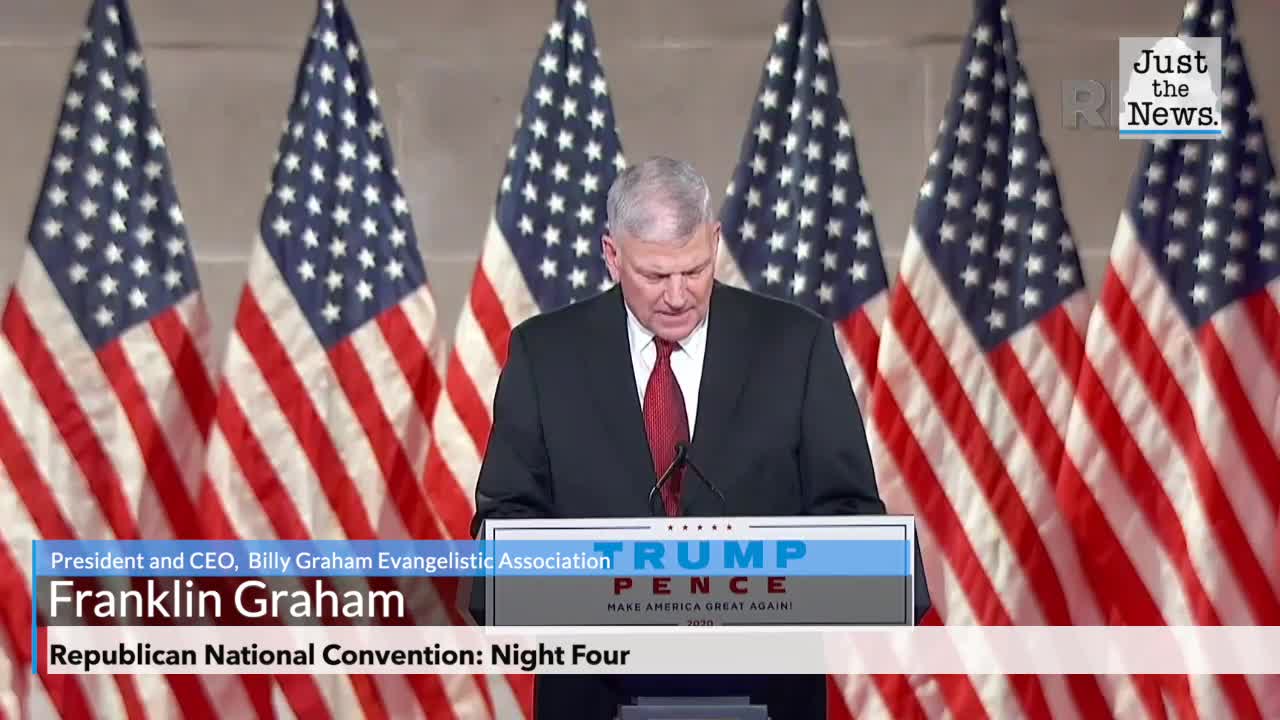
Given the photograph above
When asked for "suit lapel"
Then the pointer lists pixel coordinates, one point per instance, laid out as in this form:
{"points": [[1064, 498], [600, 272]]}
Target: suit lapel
{"points": [[724, 373], [613, 382]]}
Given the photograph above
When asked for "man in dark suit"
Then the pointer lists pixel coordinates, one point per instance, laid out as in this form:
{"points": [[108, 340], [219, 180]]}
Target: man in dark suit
{"points": [[594, 398]]}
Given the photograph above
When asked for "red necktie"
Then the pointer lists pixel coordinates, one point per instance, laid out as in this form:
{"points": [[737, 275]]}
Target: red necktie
{"points": [[666, 423]]}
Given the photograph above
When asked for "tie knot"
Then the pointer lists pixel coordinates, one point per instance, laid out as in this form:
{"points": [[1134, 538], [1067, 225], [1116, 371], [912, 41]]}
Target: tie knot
{"points": [[665, 348]]}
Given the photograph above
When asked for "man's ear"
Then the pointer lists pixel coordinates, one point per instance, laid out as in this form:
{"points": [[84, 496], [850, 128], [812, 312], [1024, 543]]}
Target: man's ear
{"points": [[609, 248]]}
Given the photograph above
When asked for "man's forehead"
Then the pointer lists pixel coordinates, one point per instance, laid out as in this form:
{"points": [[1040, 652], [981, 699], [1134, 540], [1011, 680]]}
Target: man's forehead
{"points": [[666, 257]]}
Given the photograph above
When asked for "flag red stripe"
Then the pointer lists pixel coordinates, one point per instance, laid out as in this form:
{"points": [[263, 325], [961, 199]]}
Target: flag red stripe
{"points": [[467, 403], [1254, 440], [162, 470], [1108, 568], [67, 415], [188, 368], [931, 504], [472, 410], [1117, 583], [1266, 323], [452, 508], [487, 308], [837, 709], [1180, 419], [985, 463], [277, 371], [47, 516], [64, 691], [86, 448], [1043, 435], [257, 470], [25, 477], [384, 442], [339, 487], [133, 707], [412, 357], [1064, 340], [295, 402], [1148, 496], [898, 696], [300, 690], [402, 488], [864, 341], [988, 473]]}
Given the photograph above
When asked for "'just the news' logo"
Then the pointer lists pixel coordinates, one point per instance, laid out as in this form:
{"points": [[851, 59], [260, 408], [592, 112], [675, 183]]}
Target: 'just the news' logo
{"points": [[1170, 87]]}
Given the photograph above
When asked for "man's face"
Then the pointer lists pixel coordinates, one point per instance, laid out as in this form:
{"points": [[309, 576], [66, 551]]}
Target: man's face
{"points": [[667, 284]]}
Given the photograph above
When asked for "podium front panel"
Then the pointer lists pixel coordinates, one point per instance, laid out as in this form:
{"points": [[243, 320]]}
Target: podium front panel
{"points": [[712, 599]]}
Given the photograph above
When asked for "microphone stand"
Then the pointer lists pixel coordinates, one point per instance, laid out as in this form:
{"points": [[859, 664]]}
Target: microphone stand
{"points": [[682, 453]]}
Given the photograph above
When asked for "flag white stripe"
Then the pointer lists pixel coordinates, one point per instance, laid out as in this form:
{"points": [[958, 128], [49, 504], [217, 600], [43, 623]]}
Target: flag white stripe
{"points": [[319, 379], [394, 393], [311, 364], [503, 273], [861, 696], [997, 418], [1129, 393], [165, 396], [246, 516], [459, 453], [50, 455], [18, 531], [1181, 352], [934, 437], [165, 400], [280, 704], [479, 367], [419, 309], [39, 705], [1116, 503], [12, 679], [1062, 704], [1249, 360], [83, 374], [292, 467], [279, 444], [1047, 375]]}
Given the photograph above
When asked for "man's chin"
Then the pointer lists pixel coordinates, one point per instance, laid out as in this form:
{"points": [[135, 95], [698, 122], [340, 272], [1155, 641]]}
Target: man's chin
{"points": [[675, 327]]}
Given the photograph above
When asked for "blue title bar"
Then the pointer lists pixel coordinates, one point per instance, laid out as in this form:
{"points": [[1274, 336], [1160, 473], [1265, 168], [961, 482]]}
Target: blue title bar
{"points": [[448, 558]]}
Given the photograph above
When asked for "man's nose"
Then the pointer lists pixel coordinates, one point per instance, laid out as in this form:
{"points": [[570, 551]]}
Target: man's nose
{"points": [[675, 291]]}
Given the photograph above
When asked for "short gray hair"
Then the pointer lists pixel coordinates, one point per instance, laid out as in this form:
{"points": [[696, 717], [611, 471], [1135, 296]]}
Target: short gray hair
{"points": [[658, 199]]}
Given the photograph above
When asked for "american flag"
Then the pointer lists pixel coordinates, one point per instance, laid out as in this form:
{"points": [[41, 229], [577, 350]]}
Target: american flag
{"points": [[797, 223], [1173, 482], [797, 220], [329, 379], [541, 249], [106, 400], [976, 366]]}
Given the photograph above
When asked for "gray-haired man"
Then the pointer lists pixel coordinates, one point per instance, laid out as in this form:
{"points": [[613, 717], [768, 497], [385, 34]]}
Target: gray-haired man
{"points": [[595, 397]]}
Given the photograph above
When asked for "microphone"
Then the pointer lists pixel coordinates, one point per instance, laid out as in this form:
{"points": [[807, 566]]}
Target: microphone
{"points": [[682, 455], [682, 451]]}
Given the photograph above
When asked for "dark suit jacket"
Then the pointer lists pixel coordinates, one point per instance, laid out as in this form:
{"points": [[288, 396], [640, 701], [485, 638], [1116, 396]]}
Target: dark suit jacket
{"points": [[777, 429]]}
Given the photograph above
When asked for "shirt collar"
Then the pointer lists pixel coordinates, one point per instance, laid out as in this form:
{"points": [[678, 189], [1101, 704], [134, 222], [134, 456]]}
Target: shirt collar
{"points": [[641, 336]]}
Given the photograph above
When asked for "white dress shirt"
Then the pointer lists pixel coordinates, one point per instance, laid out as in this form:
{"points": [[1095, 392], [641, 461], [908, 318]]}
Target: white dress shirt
{"points": [[686, 362]]}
